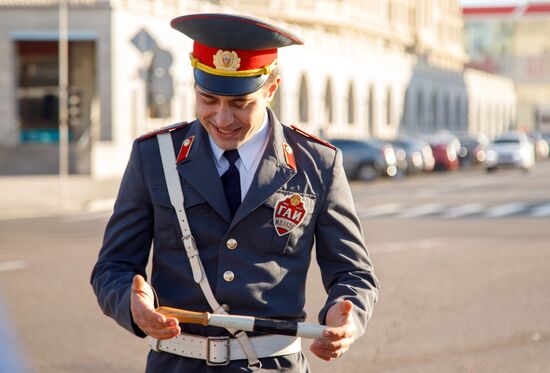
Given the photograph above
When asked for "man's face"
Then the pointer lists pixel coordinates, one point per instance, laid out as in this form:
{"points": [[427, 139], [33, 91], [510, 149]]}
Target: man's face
{"points": [[232, 120]]}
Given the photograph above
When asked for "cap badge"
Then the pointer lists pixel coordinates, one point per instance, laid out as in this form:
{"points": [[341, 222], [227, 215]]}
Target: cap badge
{"points": [[227, 60], [288, 214]]}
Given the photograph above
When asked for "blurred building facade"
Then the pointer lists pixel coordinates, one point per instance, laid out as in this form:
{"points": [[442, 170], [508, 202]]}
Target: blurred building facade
{"points": [[368, 68], [514, 41]]}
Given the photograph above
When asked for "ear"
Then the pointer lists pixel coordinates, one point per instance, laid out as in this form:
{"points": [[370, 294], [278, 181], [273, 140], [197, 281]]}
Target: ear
{"points": [[273, 86]]}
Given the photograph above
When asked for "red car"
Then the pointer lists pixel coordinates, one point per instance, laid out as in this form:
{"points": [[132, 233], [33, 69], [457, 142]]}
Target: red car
{"points": [[445, 151]]}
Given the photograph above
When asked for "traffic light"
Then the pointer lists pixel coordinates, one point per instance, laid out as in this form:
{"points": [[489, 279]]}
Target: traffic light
{"points": [[74, 107]]}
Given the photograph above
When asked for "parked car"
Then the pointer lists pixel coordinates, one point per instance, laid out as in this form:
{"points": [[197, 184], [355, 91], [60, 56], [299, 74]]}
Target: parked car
{"points": [[511, 149], [427, 156], [472, 149], [409, 154], [366, 159], [546, 136], [444, 149], [540, 144]]}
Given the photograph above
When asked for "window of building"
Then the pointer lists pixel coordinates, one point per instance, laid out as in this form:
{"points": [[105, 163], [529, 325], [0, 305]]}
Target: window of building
{"points": [[406, 117], [303, 101], [420, 114], [372, 111], [37, 91], [389, 107], [434, 120], [458, 108], [446, 115], [329, 110], [351, 106]]}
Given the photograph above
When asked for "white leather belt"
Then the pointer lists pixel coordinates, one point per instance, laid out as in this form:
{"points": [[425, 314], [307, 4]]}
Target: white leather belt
{"points": [[221, 350]]}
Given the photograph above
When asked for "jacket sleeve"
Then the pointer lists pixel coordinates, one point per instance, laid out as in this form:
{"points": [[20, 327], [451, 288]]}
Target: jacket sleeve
{"points": [[126, 245], [346, 268]]}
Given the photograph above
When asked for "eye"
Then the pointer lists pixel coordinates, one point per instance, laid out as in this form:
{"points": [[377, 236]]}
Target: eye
{"points": [[241, 103], [208, 100]]}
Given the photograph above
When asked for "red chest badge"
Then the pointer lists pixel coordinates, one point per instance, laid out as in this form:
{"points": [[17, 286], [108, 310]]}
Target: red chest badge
{"points": [[288, 214]]}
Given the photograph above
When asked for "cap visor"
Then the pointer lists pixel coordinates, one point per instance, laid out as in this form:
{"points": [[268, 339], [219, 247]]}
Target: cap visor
{"points": [[228, 86]]}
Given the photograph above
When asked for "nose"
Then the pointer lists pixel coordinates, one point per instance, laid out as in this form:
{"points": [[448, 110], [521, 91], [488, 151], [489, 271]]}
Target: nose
{"points": [[224, 116]]}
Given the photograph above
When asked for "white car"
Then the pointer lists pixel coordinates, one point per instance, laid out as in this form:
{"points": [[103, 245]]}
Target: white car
{"points": [[512, 149]]}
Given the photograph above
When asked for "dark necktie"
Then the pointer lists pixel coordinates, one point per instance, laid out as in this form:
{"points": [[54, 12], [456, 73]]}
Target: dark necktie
{"points": [[231, 181]]}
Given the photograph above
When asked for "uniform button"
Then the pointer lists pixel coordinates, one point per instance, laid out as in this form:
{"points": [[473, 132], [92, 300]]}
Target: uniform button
{"points": [[231, 243], [228, 276], [226, 307]]}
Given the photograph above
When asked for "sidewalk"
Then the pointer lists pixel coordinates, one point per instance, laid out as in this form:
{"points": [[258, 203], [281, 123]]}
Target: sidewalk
{"points": [[42, 196]]}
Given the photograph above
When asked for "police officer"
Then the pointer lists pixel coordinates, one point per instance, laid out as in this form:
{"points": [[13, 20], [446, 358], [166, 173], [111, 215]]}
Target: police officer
{"points": [[233, 203]]}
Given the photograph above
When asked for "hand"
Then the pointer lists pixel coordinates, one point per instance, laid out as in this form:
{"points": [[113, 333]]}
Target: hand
{"points": [[338, 338], [142, 306]]}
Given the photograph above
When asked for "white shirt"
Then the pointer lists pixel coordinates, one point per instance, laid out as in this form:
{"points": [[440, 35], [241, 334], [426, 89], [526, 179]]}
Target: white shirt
{"points": [[250, 154]]}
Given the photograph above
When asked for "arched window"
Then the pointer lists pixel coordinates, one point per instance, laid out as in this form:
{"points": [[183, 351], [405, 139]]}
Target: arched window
{"points": [[434, 119], [446, 115], [329, 111], [405, 125], [303, 114], [420, 117], [389, 107], [372, 107], [458, 109], [351, 106]]}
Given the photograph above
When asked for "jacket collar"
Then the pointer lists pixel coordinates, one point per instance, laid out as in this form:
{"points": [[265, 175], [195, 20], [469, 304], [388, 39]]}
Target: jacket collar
{"points": [[199, 170]]}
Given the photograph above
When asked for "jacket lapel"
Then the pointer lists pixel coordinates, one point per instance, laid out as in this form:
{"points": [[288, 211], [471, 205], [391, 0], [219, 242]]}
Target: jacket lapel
{"points": [[199, 170], [272, 172]]}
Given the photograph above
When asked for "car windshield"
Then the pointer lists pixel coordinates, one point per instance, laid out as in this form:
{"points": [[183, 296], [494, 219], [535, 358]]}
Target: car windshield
{"points": [[506, 141]]}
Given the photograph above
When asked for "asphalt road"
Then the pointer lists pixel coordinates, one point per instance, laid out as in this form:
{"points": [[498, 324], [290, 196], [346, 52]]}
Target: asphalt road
{"points": [[463, 258]]}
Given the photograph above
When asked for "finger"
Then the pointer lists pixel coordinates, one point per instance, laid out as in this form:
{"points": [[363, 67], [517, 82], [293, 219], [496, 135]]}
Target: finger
{"points": [[325, 354], [333, 345], [140, 286], [345, 306], [165, 333], [340, 313], [153, 320], [339, 332], [168, 329]]}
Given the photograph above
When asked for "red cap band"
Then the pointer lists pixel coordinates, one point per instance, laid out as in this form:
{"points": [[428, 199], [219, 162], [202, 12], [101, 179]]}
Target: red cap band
{"points": [[249, 60]]}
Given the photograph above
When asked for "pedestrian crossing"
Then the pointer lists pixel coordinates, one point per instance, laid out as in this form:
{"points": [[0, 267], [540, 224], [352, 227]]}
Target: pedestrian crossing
{"points": [[456, 211], [402, 211]]}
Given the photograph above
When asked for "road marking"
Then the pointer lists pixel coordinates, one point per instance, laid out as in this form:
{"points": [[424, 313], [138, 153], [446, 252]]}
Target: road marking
{"points": [[460, 211], [86, 217], [540, 211], [12, 266], [421, 210], [504, 210], [379, 210]]}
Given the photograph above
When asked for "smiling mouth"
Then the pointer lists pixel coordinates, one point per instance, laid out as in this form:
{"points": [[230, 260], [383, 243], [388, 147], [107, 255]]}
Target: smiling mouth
{"points": [[226, 132]]}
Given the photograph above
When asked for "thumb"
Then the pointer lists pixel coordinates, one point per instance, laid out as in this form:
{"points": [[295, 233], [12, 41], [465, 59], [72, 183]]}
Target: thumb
{"points": [[139, 283], [345, 306], [142, 293]]}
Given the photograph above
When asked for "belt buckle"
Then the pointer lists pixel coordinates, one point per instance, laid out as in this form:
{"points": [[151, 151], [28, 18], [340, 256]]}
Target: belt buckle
{"points": [[227, 345]]}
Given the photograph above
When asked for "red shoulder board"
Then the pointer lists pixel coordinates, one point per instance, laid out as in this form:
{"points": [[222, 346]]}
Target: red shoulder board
{"points": [[162, 130], [309, 135]]}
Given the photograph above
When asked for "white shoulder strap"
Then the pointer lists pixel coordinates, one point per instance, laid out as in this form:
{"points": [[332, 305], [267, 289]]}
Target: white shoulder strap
{"points": [[176, 198]]}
